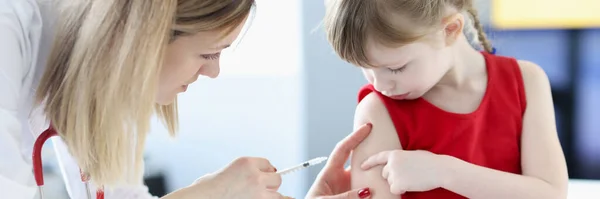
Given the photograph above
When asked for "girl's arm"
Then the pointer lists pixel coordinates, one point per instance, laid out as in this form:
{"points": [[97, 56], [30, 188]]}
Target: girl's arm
{"points": [[383, 137], [542, 160]]}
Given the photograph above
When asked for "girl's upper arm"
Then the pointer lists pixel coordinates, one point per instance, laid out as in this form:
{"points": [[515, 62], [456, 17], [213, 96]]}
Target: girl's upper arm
{"points": [[542, 155], [383, 137]]}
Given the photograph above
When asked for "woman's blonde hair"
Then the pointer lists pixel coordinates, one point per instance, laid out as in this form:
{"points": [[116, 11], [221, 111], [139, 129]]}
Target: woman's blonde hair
{"points": [[348, 24], [100, 82]]}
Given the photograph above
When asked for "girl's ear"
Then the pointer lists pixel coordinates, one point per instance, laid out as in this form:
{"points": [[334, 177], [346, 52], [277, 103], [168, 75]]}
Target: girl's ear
{"points": [[453, 28]]}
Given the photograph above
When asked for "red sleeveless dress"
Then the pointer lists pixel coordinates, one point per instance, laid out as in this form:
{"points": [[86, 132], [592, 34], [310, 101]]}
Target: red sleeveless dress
{"points": [[490, 136]]}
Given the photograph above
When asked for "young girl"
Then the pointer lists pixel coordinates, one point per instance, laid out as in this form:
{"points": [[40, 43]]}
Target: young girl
{"points": [[448, 120]]}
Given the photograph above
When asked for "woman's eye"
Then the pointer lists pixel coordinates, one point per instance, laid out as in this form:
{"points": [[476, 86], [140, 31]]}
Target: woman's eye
{"points": [[212, 56]]}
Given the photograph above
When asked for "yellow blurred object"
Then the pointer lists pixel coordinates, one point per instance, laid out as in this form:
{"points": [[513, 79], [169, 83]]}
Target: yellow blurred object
{"points": [[512, 14]]}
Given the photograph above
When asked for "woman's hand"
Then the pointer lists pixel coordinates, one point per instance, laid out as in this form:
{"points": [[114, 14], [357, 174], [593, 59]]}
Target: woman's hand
{"points": [[244, 178], [410, 171], [334, 181]]}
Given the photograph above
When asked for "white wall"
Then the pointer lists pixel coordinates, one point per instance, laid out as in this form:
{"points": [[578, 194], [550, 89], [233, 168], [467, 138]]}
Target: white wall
{"points": [[230, 117]]}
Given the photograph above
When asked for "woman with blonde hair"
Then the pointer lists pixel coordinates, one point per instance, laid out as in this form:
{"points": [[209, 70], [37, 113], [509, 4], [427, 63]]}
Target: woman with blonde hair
{"points": [[99, 71]]}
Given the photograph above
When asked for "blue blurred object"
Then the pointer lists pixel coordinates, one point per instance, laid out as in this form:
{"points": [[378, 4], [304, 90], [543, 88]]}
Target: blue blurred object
{"points": [[576, 97], [588, 105], [547, 48]]}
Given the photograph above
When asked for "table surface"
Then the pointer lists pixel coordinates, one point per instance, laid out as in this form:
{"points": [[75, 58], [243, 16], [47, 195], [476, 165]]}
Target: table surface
{"points": [[584, 189]]}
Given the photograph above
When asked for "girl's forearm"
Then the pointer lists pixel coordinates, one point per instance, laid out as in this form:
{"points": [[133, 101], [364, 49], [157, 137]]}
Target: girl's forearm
{"points": [[473, 181]]}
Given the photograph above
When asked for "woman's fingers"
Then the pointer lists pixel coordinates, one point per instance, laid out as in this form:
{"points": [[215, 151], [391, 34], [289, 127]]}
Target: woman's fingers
{"points": [[342, 150], [271, 180], [264, 165]]}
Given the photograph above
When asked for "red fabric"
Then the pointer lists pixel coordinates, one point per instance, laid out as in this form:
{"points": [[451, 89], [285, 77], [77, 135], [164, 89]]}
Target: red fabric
{"points": [[489, 136]]}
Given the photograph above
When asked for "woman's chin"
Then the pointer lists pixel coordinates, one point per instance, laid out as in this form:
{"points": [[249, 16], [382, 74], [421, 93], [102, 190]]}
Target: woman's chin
{"points": [[166, 100]]}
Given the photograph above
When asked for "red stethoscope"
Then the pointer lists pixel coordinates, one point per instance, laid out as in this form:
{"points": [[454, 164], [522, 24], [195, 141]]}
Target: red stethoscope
{"points": [[38, 170]]}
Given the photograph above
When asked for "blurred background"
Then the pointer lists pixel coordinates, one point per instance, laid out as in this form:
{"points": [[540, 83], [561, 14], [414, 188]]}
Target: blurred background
{"points": [[283, 94]]}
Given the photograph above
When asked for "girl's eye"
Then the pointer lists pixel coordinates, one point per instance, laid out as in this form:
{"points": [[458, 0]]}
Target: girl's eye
{"points": [[212, 56], [398, 70]]}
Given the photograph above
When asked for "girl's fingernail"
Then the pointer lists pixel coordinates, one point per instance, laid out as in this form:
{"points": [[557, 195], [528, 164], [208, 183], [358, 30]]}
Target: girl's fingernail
{"points": [[370, 125], [364, 193]]}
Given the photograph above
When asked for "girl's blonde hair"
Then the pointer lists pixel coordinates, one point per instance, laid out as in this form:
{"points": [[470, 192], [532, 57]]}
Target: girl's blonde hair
{"points": [[100, 82], [348, 24]]}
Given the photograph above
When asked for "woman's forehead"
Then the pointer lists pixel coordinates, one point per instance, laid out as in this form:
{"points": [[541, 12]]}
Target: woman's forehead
{"points": [[213, 40]]}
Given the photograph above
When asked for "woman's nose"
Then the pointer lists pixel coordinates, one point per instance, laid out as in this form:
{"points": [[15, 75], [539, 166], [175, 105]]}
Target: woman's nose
{"points": [[211, 70]]}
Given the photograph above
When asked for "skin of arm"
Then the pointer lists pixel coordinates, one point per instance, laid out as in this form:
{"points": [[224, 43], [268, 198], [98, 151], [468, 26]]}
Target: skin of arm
{"points": [[383, 137]]}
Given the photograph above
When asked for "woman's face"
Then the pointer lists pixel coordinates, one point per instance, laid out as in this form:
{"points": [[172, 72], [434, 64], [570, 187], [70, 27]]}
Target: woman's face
{"points": [[189, 57]]}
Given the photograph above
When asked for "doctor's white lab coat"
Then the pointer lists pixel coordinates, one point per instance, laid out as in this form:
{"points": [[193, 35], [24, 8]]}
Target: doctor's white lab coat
{"points": [[25, 39]]}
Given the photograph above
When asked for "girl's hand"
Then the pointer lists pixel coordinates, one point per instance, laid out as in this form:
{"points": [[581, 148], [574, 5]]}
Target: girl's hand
{"points": [[409, 171]]}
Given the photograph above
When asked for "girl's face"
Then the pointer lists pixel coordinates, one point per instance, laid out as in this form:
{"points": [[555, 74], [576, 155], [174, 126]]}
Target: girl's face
{"points": [[406, 72], [189, 57], [409, 71]]}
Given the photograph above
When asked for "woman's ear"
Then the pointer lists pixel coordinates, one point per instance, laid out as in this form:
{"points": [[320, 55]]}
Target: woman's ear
{"points": [[453, 28]]}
